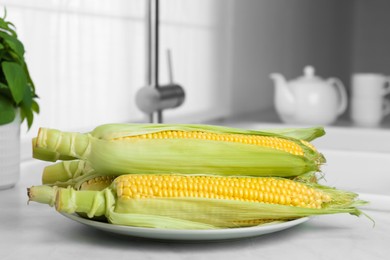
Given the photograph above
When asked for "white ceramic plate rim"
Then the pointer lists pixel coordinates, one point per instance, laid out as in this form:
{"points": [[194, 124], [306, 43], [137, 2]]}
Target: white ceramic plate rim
{"points": [[172, 234]]}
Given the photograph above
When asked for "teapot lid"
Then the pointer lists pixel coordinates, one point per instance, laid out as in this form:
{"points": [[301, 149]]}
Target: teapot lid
{"points": [[309, 76]]}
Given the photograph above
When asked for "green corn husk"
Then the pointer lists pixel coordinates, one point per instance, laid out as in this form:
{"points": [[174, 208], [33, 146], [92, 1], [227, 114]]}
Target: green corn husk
{"points": [[307, 134], [111, 131], [77, 172], [148, 156], [68, 173], [184, 213], [47, 154]]}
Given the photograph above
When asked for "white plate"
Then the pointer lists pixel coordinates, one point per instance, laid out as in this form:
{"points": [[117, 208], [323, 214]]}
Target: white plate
{"points": [[189, 235]]}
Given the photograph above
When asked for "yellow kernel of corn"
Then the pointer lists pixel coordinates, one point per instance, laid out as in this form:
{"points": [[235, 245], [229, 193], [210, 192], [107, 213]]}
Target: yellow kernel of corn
{"points": [[266, 197], [266, 141], [270, 197], [267, 190]]}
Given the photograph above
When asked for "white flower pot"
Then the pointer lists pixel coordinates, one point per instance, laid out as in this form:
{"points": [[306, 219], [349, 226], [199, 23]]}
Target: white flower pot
{"points": [[9, 154]]}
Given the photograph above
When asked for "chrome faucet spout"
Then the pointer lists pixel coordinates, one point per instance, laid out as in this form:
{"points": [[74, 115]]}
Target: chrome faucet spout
{"points": [[152, 54], [154, 98]]}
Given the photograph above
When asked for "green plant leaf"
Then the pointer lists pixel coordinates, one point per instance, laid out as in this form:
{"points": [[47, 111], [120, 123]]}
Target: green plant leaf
{"points": [[3, 24], [13, 43], [7, 26], [16, 88], [22, 116], [27, 99], [35, 107], [27, 113], [26, 107], [7, 111], [16, 80], [3, 86], [29, 80], [5, 92]]}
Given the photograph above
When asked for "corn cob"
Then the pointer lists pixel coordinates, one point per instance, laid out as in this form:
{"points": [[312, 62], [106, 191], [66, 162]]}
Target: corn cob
{"points": [[150, 149], [266, 190], [199, 202], [102, 182]]}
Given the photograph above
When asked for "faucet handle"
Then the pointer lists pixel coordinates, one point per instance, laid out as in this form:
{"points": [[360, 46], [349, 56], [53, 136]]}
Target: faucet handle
{"points": [[170, 68], [150, 100], [171, 95]]}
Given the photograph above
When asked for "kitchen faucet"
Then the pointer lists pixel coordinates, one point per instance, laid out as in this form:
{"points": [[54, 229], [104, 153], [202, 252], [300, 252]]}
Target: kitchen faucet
{"points": [[154, 98]]}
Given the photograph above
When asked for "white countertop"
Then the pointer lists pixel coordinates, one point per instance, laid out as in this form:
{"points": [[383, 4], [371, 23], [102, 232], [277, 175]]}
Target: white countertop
{"points": [[37, 231], [269, 115]]}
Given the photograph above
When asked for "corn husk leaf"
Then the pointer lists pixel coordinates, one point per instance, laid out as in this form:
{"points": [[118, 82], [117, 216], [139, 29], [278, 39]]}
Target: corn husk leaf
{"points": [[112, 131], [107, 154], [184, 213], [68, 173]]}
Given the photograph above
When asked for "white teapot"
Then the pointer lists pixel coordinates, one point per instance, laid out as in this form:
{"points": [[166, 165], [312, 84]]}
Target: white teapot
{"points": [[309, 99]]}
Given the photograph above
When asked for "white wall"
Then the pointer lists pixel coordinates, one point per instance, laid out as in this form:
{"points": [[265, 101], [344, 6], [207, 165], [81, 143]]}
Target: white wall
{"points": [[87, 58], [283, 36]]}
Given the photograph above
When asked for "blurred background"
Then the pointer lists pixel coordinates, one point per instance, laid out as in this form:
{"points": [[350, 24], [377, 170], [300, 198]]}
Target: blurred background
{"points": [[87, 58]]}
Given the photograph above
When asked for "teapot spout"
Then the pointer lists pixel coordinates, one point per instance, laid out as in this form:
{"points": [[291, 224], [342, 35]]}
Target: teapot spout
{"points": [[282, 88], [284, 97]]}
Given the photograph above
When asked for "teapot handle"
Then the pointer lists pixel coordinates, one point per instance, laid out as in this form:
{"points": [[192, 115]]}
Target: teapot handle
{"points": [[343, 94], [387, 87], [386, 110]]}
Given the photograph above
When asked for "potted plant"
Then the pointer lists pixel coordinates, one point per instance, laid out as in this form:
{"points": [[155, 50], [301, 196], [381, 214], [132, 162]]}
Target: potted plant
{"points": [[17, 101]]}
